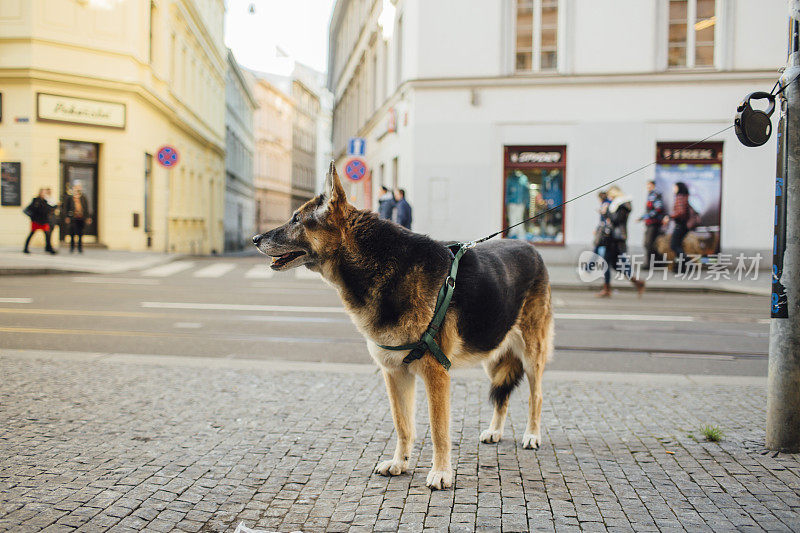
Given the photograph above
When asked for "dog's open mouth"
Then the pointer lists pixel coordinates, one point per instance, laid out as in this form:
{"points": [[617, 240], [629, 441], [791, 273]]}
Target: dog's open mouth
{"points": [[282, 260]]}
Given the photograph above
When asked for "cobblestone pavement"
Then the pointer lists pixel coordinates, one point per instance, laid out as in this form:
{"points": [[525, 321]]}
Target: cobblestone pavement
{"points": [[137, 445]]}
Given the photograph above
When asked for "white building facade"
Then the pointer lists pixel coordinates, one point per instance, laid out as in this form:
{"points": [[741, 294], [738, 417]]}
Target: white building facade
{"points": [[489, 112], [240, 202]]}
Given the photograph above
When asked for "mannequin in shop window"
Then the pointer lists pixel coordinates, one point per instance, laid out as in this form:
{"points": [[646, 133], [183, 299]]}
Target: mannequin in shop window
{"points": [[518, 197]]}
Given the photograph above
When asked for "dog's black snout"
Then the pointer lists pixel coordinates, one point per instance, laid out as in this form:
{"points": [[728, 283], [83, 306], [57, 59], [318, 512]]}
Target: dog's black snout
{"points": [[257, 239]]}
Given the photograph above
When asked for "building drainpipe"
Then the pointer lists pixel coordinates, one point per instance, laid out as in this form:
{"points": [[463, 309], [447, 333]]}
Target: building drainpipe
{"points": [[783, 392]]}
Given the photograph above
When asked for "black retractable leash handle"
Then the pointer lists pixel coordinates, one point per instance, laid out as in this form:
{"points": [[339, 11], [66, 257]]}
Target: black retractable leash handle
{"points": [[754, 126]]}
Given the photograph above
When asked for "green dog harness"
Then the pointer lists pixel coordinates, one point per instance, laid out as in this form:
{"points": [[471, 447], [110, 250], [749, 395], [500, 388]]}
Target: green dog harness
{"points": [[428, 340]]}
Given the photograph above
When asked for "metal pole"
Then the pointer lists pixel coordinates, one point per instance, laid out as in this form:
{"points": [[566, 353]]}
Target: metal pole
{"points": [[783, 393]]}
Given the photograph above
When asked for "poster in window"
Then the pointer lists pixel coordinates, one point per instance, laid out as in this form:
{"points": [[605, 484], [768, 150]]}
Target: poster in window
{"points": [[10, 183], [705, 197]]}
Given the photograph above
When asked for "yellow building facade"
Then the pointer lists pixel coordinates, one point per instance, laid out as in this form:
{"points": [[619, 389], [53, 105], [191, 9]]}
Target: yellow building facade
{"points": [[90, 92]]}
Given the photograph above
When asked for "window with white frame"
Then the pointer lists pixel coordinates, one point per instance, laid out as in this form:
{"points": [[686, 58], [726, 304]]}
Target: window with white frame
{"points": [[536, 35], [692, 26]]}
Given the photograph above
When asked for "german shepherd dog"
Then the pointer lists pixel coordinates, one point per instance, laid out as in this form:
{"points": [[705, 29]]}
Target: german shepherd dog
{"points": [[389, 277]]}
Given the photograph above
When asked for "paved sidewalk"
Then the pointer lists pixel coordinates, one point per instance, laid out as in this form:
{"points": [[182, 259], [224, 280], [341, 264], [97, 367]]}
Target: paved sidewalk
{"points": [[92, 260], [98, 441]]}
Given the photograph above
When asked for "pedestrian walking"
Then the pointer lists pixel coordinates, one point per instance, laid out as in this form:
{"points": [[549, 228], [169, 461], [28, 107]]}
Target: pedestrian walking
{"points": [[40, 211], [653, 220], [77, 216], [402, 209], [603, 225], [615, 241], [386, 203], [682, 217]]}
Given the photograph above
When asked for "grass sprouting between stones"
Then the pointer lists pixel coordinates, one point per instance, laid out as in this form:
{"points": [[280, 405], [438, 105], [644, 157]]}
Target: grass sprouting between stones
{"points": [[711, 433]]}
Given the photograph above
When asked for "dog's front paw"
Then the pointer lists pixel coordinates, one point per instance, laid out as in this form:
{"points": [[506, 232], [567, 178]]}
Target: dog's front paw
{"points": [[531, 441], [440, 479], [490, 436], [391, 468]]}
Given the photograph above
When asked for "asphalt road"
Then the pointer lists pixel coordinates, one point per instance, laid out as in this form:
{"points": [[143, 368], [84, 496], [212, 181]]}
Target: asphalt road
{"points": [[233, 307]]}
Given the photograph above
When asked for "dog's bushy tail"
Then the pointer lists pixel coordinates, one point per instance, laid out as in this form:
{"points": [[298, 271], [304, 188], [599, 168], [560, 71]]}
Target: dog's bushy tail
{"points": [[506, 373]]}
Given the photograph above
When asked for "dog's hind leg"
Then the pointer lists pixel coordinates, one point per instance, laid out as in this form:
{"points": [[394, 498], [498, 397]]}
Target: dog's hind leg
{"points": [[537, 330], [437, 386], [505, 373], [400, 385]]}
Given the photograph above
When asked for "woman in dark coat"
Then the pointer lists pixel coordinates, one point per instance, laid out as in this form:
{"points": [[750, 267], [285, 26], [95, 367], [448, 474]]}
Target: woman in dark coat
{"points": [[615, 241], [681, 213], [40, 212]]}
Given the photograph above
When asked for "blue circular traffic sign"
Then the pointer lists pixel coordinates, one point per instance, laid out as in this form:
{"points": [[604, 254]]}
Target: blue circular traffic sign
{"points": [[355, 169], [167, 156]]}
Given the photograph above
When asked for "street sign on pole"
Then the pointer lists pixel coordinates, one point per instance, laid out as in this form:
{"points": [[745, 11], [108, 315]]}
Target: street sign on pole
{"points": [[355, 169], [783, 381], [357, 146], [167, 156]]}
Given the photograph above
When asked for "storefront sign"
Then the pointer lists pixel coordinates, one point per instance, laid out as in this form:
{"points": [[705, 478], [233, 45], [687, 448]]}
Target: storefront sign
{"points": [[711, 152], [10, 183], [55, 108], [535, 157]]}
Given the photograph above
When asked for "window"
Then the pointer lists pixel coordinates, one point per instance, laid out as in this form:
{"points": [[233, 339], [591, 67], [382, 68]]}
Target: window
{"points": [[152, 22], [533, 184], [692, 25], [374, 81], [537, 35], [398, 62]]}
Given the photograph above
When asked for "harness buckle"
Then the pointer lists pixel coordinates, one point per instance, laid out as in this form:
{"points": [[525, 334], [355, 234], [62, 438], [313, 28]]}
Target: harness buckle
{"points": [[468, 245], [450, 281]]}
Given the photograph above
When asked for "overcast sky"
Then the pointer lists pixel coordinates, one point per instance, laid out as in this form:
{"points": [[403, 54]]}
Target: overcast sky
{"points": [[299, 27]]}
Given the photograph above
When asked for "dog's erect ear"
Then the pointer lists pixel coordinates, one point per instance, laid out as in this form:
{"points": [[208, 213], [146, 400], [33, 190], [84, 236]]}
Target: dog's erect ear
{"points": [[334, 192]]}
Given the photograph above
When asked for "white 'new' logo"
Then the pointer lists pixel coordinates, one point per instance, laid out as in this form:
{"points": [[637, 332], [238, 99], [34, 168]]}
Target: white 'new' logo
{"points": [[591, 266]]}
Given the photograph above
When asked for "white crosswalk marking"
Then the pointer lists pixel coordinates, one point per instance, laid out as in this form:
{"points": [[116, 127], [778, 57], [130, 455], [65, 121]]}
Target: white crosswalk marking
{"points": [[241, 307], [214, 270], [168, 270], [260, 272]]}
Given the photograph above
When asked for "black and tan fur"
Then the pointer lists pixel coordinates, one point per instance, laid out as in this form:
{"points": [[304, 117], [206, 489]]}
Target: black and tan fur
{"points": [[388, 279]]}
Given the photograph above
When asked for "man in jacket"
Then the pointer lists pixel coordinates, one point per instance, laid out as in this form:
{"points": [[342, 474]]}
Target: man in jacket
{"points": [[39, 212], [77, 216], [652, 218], [385, 203], [402, 209]]}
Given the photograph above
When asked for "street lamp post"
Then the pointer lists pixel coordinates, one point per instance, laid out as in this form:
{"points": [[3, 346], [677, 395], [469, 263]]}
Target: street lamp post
{"points": [[783, 394]]}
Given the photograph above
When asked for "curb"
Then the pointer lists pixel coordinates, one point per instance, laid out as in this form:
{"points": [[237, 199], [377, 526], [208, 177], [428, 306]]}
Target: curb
{"points": [[45, 271], [283, 366], [661, 288]]}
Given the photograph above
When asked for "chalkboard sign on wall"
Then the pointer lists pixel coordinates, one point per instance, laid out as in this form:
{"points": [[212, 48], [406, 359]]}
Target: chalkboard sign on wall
{"points": [[10, 183]]}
